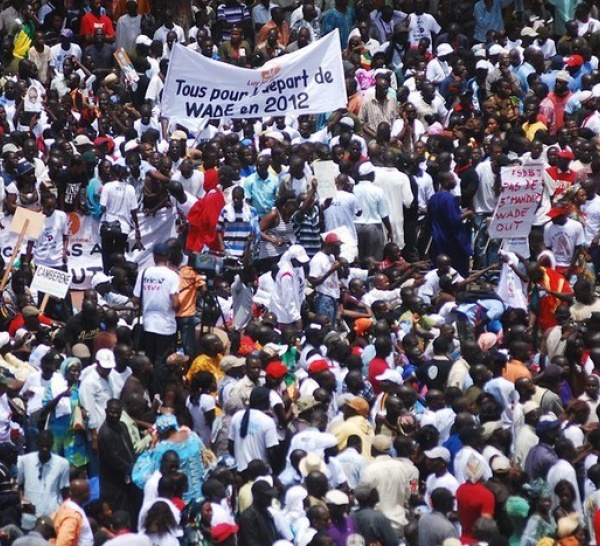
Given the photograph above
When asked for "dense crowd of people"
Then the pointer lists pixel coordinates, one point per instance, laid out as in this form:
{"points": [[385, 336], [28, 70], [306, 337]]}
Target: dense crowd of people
{"points": [[287, 366]]}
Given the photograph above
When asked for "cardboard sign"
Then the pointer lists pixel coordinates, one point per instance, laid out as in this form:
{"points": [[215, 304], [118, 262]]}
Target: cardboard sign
{"points": [[521, 192], [325, 173], [129, 73], [36, 222], [51, 281]]}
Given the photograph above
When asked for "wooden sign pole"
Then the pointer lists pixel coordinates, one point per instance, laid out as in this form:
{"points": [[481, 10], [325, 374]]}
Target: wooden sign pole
{"points": [[14, 254], [44, 303]]}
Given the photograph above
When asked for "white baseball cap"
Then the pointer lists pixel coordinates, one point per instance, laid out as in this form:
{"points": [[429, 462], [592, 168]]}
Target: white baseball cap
{"points": [[106, 359]]}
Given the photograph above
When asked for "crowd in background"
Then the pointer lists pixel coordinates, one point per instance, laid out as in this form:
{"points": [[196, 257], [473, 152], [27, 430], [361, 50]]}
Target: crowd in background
{"points": [[286, 368]]}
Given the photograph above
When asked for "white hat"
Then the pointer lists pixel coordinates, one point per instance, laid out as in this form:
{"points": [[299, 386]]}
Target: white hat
{"points": [[131, 145], [297, 252], [482, 65], [279, 349], [347, 121], [584, 96], [438, 453], [100, 278], [276, 135], [496, 49], [311, 463], [500, 463], [82, 140], [444, 49], [4, 338], [365, 168], [529, 31], [563, 76], [336, 497], [105, 359], [10, 147], [390, 375], [142, 39]]}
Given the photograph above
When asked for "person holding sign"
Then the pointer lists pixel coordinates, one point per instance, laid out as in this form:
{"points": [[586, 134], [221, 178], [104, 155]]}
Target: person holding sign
{"points": [[51, 250]]}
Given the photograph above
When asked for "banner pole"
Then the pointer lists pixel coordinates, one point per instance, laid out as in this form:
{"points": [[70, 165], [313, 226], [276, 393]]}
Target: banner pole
{"points": [[14, 254], [44, 303]]}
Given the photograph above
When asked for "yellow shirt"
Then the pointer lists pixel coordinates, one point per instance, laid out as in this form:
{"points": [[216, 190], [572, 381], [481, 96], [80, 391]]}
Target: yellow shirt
{"points": [[532, 128], [205, 363]]}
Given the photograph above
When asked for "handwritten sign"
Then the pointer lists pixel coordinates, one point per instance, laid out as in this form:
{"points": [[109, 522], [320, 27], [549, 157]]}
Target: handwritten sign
{"points": [[325, 173], [521, 191], [51, 281]]}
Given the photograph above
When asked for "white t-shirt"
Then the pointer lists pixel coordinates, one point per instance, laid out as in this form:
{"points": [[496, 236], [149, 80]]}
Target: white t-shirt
{"points": [[206, 403], [421, 26], [48, 248], [319, 265], [58, 55], [262, 434], [119, 199], [562, 240], [342, 212], [591, 213], [193, 184], [160, 283]]}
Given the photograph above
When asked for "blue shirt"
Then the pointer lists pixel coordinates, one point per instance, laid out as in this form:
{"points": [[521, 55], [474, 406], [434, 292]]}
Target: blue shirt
{"points": [[344, 22], [488, 20], [261, 193]]}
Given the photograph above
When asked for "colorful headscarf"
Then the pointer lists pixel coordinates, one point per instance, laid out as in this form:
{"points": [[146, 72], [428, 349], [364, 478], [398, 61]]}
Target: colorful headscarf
{"points": [[67, 364], [166, 422]]}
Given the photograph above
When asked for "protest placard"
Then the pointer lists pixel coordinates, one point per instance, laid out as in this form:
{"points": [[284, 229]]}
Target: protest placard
{"points": [[325, 173], [520, 194], [309, 81], [53, 282]]}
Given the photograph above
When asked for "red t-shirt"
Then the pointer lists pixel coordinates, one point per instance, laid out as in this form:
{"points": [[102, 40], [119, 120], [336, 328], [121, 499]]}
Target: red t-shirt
{"points": [[89, 23], [376, 367], [474, 500], [19, 321]]}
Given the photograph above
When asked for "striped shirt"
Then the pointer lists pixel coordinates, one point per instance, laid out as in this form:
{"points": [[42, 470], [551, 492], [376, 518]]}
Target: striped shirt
{"points": [[308, 230], [236, 233], [237, 14]]}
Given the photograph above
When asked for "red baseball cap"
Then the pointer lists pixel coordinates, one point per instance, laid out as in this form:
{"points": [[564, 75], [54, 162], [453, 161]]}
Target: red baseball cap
{"points": [[319, 365], [574, 60], [276, 369], [559, 210], [332, 238], [566, 154], [222, 531]]}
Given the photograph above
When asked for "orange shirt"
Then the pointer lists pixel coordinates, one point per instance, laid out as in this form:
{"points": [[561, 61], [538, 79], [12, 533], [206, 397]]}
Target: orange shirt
{"points": [[189, 283], [514, 370]]}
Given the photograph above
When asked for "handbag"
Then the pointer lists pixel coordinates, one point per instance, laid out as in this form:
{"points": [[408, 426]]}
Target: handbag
{"points": [[137, 333], [78, 420], [110, 229]]}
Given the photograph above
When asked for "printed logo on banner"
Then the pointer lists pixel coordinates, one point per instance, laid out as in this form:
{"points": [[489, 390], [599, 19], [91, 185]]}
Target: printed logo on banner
{"points": [[270, 74]]}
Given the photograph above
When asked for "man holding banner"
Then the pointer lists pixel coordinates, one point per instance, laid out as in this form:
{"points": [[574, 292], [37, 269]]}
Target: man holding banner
{"points": [[51, 249]]}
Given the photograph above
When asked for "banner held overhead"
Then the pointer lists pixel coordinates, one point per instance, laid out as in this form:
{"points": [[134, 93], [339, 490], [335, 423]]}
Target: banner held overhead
{"points": [[308, 81]]}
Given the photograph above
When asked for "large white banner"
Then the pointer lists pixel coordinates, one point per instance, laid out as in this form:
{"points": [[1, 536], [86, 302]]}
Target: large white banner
{"points": [[85, 254], [309, 81], [520, 194]]}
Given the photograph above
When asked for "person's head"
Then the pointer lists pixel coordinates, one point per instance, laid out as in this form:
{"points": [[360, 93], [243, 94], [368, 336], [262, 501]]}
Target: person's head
{"points": [[45, 441], [253, 367], [319, 517], [591, 386], [317, 484], [114, 409], [169, 463], [442, 500], [159, 519], [263, 494], [80, 491]]}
